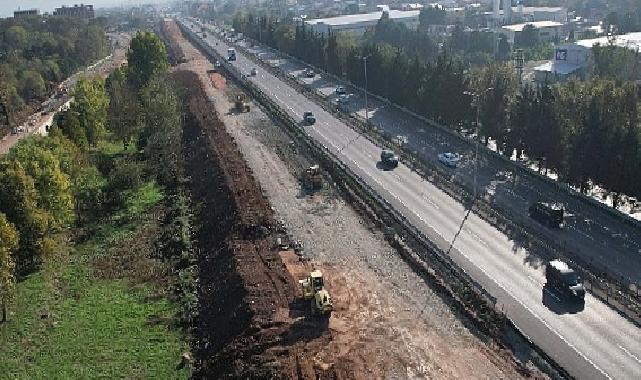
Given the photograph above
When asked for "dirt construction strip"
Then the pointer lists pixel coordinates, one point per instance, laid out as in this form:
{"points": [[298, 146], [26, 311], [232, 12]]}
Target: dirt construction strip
{"points": [[387, 323]]}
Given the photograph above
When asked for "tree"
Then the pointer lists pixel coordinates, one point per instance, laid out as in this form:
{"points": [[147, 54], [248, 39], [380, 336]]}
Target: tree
{"points": [[529, 37], [124, 112], [19, 203], [504, 50], [495, 103], [162, 130], [146, 57], [32, 85], [52, 185], [8, 245], [432, 15], [90, 105]]}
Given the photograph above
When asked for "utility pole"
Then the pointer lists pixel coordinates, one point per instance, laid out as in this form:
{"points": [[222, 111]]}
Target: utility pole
{"points": [[519, 61], [366, 108]]}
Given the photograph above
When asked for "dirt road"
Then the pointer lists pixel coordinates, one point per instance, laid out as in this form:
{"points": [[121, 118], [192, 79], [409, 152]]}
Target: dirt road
{"points": [[388, 323]]}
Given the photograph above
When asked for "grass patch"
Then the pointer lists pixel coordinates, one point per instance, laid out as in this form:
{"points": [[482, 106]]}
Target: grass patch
{"points": [[69, 323]]}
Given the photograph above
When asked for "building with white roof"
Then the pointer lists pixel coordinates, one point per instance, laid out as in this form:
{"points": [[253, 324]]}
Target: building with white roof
{"points": [[358, 23], [548, 31], [575, 59]]}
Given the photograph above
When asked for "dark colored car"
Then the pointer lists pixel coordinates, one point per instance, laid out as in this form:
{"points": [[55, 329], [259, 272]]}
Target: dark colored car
{"points": [[564, 281], [550, 214]]}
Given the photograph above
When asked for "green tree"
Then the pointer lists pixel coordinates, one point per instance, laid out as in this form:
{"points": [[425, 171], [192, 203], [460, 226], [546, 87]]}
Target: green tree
{"points": [[146, 57], [162, 130], [8, 245], [124, 111], [528, 37], [53, 186], [432, 15], [19, 202], [90, 105]]}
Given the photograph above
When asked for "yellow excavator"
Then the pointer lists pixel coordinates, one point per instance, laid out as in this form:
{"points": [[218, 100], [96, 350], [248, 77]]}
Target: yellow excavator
{"points": [[241, 104], [313, 290], [313, 180]]}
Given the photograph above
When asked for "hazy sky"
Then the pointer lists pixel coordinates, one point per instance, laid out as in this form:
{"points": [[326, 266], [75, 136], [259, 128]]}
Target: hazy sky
{"points": [[8, 6]]}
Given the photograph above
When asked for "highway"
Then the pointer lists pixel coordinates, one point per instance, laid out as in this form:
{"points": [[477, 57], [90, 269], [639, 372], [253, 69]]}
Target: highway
{"points": [[590, 233], [594, 343]]}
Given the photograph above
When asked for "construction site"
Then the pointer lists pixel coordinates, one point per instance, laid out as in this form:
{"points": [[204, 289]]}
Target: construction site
{"points": [[300, 280]]}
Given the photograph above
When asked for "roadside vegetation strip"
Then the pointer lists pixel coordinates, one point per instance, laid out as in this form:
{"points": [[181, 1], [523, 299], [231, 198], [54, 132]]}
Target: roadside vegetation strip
{"points": [[468, 297], [98, 294], [80, 316]]}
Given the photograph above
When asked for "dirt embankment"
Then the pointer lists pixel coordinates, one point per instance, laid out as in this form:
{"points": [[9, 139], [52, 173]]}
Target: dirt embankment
{"points": [[245, 293]]}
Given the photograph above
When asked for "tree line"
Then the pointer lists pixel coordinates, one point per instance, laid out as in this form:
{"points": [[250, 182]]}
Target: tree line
{"points": [[587, 132], [49, 183], [37, 53]]}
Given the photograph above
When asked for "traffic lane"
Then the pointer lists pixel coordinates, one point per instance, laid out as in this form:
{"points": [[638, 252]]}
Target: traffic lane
{"points": [[399, 124], [578, 229], [435, 224], [336, 147]]}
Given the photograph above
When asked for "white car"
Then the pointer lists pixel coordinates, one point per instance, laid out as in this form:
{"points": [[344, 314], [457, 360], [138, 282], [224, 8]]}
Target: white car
{"points": [[343, 99], [340, 90], [449, 159]]}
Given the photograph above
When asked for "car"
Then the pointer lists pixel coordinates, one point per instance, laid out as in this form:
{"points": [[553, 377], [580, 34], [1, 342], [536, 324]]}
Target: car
{"points": [[343, 99], [389, 160], [309, 118], [253, 72], [550, 214], [449, 159], [309, 73], [564, 281], [340, 90]]}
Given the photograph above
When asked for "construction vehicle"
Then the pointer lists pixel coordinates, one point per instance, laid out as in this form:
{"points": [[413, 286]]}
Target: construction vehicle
{"points": [[313, 290], [241, 104], [389, 159], [313, 180]]}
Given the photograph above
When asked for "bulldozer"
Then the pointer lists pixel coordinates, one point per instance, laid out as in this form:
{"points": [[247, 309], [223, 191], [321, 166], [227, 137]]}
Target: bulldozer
{"points": [[313, 290], [313, 180], [241, 104]]}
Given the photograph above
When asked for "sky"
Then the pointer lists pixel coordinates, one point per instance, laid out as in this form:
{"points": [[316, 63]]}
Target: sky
{"points": [[8, 6]]}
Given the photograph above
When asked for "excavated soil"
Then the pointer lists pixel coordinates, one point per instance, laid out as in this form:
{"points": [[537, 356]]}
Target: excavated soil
{"points": [[249, 313]]}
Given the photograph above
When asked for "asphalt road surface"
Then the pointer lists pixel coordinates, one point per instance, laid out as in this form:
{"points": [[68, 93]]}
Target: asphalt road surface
{"points": [[590, 233], [592, 343]]}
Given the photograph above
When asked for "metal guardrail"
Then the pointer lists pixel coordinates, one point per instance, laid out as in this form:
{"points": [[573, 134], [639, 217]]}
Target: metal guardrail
{"points": [[450, 270], [524, 170], [621, 295]]}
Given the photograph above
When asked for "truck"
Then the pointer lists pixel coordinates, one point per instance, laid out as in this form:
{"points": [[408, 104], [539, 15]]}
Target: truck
{"points": [[231, 54], [550, 214], [564, 281], [389, 160], [309, 118]]}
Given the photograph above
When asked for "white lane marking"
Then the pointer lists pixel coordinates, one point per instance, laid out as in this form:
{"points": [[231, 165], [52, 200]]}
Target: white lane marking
{"points": [[490, 277], [430, 201], [630, 354], [477, 237], [539, 318], [495, 281]]}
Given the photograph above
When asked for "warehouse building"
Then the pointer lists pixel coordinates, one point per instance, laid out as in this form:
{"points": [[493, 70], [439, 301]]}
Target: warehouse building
{"points": [[547, 31], [358, 23], [575, 59], [77, 11]]}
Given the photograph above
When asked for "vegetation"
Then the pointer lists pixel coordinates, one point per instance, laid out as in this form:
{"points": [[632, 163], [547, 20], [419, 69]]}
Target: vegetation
{"points": [[588, 133], [37, 53], [85, 225]]}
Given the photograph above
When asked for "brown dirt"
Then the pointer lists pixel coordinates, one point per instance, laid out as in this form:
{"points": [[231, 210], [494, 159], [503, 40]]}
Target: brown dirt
{"points": [[252, 324]]}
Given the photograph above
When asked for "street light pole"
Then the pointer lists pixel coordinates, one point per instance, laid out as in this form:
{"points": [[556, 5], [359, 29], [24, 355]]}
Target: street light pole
{"points": [[366, 108], [477, 98]]}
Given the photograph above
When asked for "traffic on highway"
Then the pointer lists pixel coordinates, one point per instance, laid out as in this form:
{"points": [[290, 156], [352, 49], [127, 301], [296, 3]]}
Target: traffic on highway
{"points": [[589, 339]]}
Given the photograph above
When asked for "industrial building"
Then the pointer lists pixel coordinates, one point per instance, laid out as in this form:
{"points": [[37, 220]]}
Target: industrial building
{"points": [[77, 11], [575, 59], [358, 23], [26, 13], [547, 31], [504, 13]]}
